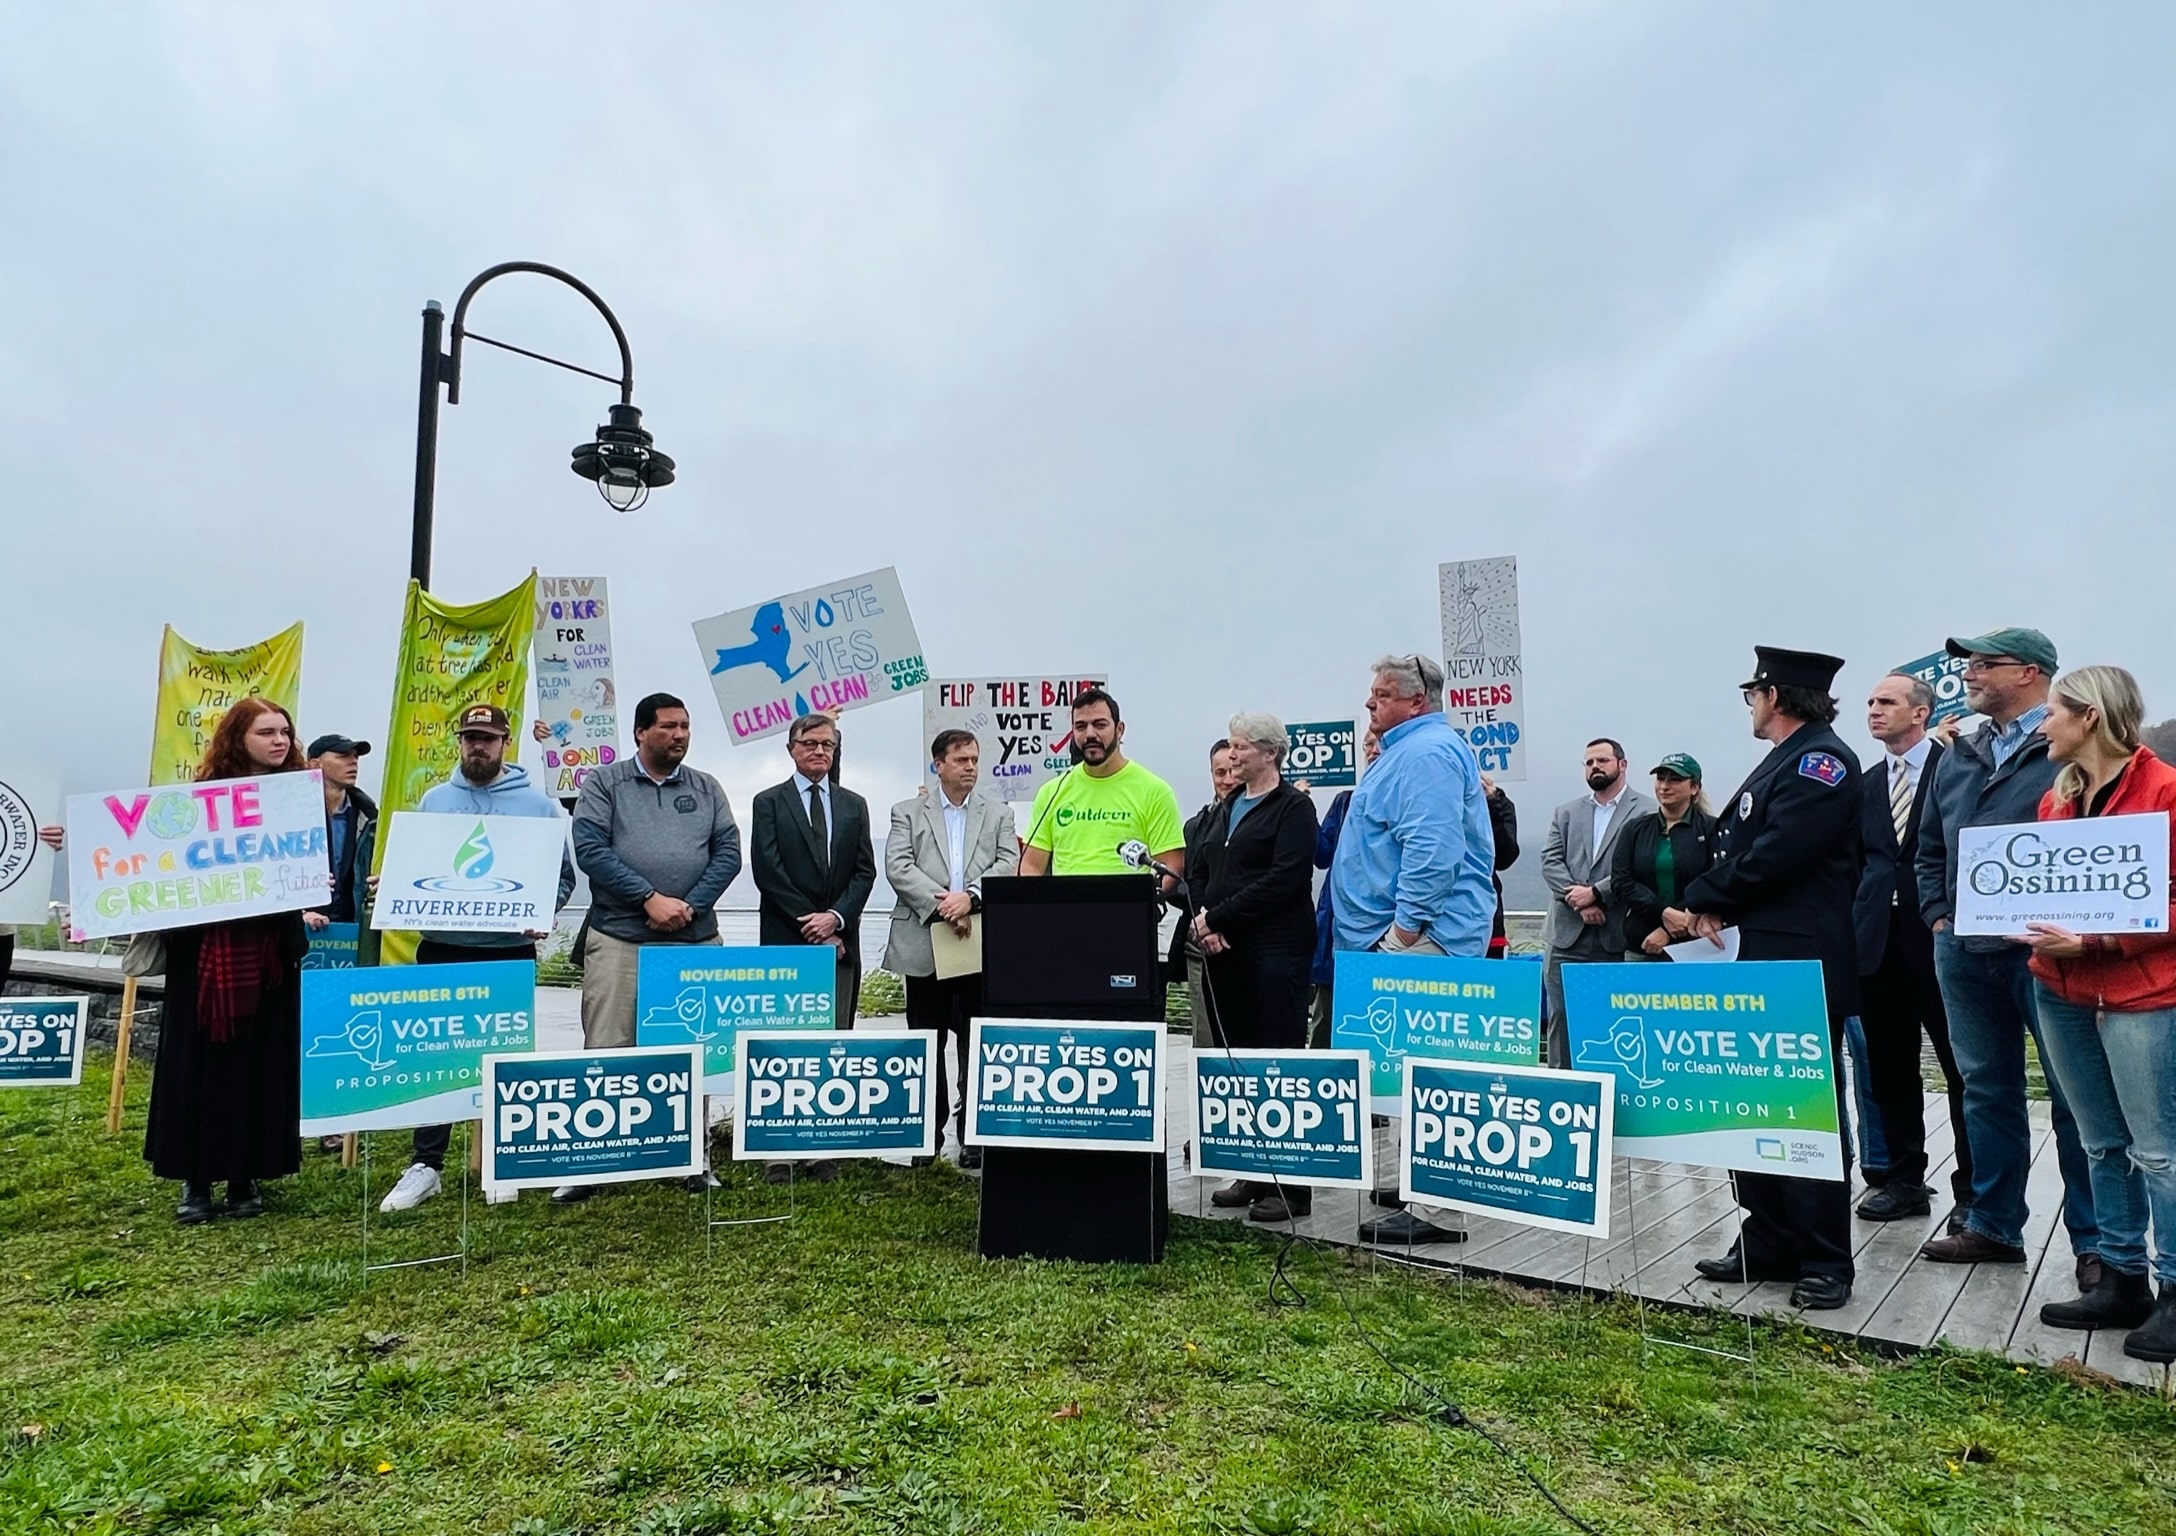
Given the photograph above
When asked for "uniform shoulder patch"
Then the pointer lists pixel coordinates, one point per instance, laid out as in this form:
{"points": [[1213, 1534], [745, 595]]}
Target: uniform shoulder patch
{"points": [[1825, 766]]}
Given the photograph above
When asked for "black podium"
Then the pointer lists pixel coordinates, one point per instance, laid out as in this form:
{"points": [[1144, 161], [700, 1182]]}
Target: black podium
{"points": [[1072, 947]]}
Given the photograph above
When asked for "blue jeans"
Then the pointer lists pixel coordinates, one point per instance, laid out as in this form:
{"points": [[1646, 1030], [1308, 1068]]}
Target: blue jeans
{"points": [[2119, 1072], [1991, 1006], [1873, 1150]]}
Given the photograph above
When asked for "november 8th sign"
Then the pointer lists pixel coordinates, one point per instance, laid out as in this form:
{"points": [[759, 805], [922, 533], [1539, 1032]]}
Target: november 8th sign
{"points": [[2100, 874]]}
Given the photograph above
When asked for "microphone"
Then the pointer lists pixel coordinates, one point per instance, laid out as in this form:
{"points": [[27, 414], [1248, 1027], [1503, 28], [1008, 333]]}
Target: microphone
{"points": [[1135, 853]]}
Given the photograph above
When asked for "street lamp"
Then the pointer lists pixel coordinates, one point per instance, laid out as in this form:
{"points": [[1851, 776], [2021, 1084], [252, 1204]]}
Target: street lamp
{"points": [[622, 458]]}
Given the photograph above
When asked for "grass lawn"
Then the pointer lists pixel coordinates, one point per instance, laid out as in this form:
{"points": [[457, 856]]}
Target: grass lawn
{"points": [[860, 1370]]}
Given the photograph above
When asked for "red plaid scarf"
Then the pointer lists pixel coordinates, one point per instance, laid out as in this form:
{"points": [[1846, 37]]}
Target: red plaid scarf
{"points": [[238, 964]]}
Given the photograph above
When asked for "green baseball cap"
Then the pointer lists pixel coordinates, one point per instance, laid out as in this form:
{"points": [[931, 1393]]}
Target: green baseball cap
{"points": [[2024, 644], [1679, 764]]}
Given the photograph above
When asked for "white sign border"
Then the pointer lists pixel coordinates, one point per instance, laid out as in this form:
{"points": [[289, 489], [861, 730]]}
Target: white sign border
{"points": [[924, 1040], [1203, 1169], [697, 1119], [75, 1070], [1158, 1094], [398, 850], [1604, 1149]]}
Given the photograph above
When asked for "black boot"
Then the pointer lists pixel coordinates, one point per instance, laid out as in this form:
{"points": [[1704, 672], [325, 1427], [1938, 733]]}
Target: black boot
{"points": [[2118, 1301], [2155, 1340], [196, 1205], [244, 1198], [1237, 1193]]}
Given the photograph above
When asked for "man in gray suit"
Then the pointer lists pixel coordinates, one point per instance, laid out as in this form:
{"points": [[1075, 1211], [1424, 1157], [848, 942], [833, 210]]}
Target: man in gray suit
{"points": [[1584, 925], [940, 848]]}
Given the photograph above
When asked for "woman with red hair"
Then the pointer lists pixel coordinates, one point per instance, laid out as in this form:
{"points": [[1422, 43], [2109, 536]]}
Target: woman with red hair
{"points": [[226, 1095]]}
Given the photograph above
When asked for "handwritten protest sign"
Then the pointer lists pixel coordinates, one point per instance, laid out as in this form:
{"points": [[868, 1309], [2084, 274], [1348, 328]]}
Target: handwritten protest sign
{"points": [[1024, 725], [1528, 1144], [197, 686], [28, 800], [825, 650], [592, 1116], [385, 1047], [576, 700], [1484, 686], [1720, 1066], [2094, 874], [144, 860], [820, 1094]]}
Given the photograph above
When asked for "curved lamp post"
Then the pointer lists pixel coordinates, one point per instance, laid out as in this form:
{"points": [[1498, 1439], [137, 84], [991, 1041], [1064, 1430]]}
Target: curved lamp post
{"points": [[621, 458]]}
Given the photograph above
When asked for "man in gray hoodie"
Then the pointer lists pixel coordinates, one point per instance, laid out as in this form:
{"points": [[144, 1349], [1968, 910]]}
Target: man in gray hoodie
{"points": [[485, 784]]}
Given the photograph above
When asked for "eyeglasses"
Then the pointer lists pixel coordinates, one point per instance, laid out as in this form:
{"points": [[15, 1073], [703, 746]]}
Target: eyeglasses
{"points": [[1979, 664], [1749, 694], [825, 747]]}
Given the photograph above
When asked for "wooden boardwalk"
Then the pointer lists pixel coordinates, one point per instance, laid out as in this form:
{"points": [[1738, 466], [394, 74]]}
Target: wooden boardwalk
{"points": [[1665, 1215]]}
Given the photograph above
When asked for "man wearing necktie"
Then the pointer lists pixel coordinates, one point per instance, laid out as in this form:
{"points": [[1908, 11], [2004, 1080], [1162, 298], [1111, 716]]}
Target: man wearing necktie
{"points": [[814, 861], [1898, 995]]}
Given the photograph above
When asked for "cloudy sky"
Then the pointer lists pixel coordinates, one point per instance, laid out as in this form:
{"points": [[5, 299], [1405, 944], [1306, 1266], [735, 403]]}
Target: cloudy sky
{"points": [[1181, 341]]}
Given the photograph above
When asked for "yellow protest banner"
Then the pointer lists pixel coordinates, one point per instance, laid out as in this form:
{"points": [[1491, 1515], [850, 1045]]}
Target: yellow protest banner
{"points": [[450, 657], [197, 686]]}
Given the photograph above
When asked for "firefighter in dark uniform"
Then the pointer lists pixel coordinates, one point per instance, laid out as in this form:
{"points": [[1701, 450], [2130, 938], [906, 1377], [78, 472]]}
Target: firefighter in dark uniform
{"points": [[1785, 874]]}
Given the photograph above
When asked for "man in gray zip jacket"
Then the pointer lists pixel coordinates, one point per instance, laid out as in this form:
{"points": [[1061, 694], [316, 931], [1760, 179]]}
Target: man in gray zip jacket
{"points": [[1993, 777], [659, 844]]}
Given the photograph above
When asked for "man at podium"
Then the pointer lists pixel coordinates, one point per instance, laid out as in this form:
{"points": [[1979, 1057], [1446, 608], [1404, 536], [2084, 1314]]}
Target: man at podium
{"points": [[1083, 816]]}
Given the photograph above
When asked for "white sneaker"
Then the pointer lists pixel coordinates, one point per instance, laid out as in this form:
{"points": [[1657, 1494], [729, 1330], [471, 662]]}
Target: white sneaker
{"points": [[420, 1183]]}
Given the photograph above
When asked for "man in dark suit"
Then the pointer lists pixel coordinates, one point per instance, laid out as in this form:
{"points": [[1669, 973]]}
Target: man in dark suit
{"points": [[1786, 871], [1898, 995], [815, 863]]}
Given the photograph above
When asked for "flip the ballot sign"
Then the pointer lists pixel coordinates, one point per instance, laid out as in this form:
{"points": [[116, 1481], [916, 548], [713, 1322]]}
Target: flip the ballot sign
{"points": [[822, 1094], [1528, 1144], [1066, 1084], [592, 1117], [1298, 1115], [41, 1041]]}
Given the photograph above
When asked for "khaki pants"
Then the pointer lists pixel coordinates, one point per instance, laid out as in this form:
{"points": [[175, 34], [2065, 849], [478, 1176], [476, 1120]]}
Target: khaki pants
{"points": [[609, 969], [1198, 1003]]}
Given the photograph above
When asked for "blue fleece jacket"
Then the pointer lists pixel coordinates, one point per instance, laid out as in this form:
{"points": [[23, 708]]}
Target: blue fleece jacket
{"points": [[510, 794]]}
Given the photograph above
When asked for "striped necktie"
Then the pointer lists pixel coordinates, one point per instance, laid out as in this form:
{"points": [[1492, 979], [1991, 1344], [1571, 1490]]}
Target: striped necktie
{"points": [[1900, 796]]}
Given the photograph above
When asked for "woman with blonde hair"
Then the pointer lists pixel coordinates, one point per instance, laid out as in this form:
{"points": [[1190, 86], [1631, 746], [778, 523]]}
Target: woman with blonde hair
{"points": [[226, 1095], [2107, 1006]]}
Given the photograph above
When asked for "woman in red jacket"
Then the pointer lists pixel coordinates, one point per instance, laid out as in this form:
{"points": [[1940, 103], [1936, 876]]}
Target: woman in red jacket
{"points": [[2108, 1021]]}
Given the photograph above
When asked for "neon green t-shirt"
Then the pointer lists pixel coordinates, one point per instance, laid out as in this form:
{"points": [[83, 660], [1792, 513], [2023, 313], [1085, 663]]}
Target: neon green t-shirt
{"points": [[1080, 821]]}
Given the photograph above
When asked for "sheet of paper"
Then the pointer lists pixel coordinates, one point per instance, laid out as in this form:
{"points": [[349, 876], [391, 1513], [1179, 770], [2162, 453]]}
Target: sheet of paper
{"points": [[1703, 951], [957, 956]]}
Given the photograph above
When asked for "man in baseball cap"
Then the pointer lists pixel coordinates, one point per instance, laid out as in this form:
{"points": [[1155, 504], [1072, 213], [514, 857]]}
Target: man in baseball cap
{"points": [[2015, 646], [351, 818]]}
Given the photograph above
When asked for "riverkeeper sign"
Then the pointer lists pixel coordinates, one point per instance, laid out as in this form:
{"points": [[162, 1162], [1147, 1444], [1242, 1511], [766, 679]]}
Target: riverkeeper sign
{"points": [[695, 994], [2094, 874], [828, 649], [1438, 1007], [41, 1041], [1301, 1116], [1528, 1144], [1719, 1066], [592, 1117], [1066, 1084], [386, 1047], [144, 860], [469, 874], [823, 1094]]}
